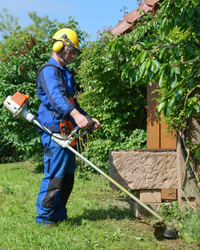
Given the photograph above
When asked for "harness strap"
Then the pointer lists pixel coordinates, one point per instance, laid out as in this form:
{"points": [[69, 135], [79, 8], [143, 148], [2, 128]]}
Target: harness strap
{"points": [[66, 126], [50, 64]]}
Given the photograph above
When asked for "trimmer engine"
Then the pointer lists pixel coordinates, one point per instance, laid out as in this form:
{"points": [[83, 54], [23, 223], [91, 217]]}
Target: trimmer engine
{"points": [[17, 105]]}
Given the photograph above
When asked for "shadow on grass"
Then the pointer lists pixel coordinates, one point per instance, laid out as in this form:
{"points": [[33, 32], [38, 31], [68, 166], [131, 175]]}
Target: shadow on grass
{"points": [[113, 213]]}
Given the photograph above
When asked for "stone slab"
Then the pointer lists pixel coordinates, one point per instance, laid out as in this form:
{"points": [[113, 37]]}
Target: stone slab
{"points": [[152, 196], [143, 170]]}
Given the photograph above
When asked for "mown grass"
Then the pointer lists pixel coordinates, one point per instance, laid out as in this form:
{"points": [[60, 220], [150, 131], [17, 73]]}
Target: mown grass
{"points": [[97, 217]]}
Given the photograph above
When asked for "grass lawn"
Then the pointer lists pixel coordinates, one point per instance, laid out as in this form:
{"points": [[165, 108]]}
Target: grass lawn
{"points": [[98, 217]]}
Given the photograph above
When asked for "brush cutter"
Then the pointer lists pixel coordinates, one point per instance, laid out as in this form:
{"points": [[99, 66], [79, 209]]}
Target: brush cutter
{"points": [[17, 105]]}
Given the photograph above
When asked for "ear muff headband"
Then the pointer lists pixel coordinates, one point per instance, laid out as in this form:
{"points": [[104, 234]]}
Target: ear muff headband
{"points": [[57, 47]]}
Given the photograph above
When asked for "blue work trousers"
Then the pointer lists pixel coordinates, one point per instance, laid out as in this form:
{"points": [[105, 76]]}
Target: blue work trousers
{"points": [[57, 184]]}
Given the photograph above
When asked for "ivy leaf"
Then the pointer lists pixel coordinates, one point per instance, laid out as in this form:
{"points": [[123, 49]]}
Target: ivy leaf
{"points": [[190, 12], [171, 103], [161, 106], [173, 81], [197, 8], [191, 51], [189, 21], [182, 15], [177, 51], [132, 73], [163, 22], [162, 52], [178, 94], [155, 66], [198, 72], [142, 56], [197, 154], [191, 83], [147, 63], [189, 111], [142, 68], [177, 70], [161, 79]]}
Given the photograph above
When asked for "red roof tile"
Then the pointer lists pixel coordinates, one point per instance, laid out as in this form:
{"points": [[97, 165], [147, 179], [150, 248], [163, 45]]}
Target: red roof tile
{"points": [[130, 18], [151, 2]]}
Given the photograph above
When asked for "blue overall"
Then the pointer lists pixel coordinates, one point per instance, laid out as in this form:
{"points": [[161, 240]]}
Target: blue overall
{"points": [[54, 86]]}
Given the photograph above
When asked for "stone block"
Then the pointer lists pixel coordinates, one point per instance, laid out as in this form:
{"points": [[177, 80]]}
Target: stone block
{"points": [[143, 170], [152, 196]]}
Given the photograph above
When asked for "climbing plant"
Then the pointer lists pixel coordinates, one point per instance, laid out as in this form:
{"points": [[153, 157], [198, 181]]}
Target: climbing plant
{"points": [[169, 55], [163, 48]]}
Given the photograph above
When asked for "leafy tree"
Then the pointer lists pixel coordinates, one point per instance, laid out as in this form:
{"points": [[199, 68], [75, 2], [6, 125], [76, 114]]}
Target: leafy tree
{"points": [[168, 54], [119, 107], [42, 26], [162, 48], [18, 72], [12, 33], [9, 27], [8, 24]]}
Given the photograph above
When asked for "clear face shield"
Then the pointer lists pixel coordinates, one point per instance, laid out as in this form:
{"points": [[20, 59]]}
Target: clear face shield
{"points": [[72, 53]]}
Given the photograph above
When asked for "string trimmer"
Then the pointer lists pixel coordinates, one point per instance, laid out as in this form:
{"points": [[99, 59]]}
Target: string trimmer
{"points": [[17, 105]]}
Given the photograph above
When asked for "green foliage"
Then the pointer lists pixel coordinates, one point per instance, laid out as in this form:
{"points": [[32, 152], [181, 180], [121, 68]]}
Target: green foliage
{"points": [[42, 26], [166, 51], [171, 212], [170, 57], [8, 23], [18, 72], [105, 95], [187, 221], [13, 34], [190, 227], [6, 151], [97, 150]]}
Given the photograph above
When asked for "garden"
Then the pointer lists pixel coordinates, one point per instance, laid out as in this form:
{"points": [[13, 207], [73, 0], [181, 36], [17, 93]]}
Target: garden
{"points": [[98, 217], [111, 76]]}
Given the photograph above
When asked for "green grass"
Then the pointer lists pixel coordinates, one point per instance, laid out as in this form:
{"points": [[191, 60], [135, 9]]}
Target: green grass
{"points": [[98, 219]]}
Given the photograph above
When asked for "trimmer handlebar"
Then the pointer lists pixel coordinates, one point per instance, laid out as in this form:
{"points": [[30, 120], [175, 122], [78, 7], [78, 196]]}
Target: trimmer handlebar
{"points": [[76, 129], [17, 106]]}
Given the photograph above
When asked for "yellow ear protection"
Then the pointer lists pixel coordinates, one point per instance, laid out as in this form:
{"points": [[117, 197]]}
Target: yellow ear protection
{"points": [[58, 45]]}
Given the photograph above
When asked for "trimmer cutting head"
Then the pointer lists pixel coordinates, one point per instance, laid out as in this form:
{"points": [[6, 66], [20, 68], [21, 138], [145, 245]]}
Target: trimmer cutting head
{"points": [[164, 229]]}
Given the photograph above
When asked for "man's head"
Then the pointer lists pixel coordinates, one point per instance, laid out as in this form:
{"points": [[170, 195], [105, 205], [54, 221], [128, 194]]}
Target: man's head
{"points": [[65, 45]]}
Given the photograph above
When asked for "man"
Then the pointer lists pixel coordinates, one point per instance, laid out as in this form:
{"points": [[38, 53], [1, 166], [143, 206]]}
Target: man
{"points": [[55, 88]]}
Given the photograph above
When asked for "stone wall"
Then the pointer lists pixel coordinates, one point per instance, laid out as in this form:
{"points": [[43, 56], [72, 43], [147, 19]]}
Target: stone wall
{"points": [[143, 170]]}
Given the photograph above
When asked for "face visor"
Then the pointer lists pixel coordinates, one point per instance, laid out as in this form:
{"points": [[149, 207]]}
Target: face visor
{"points": [[72, 50]]}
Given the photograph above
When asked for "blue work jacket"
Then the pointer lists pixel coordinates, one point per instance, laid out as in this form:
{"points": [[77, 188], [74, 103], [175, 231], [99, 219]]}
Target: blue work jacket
{"points": [[53, 89]]}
